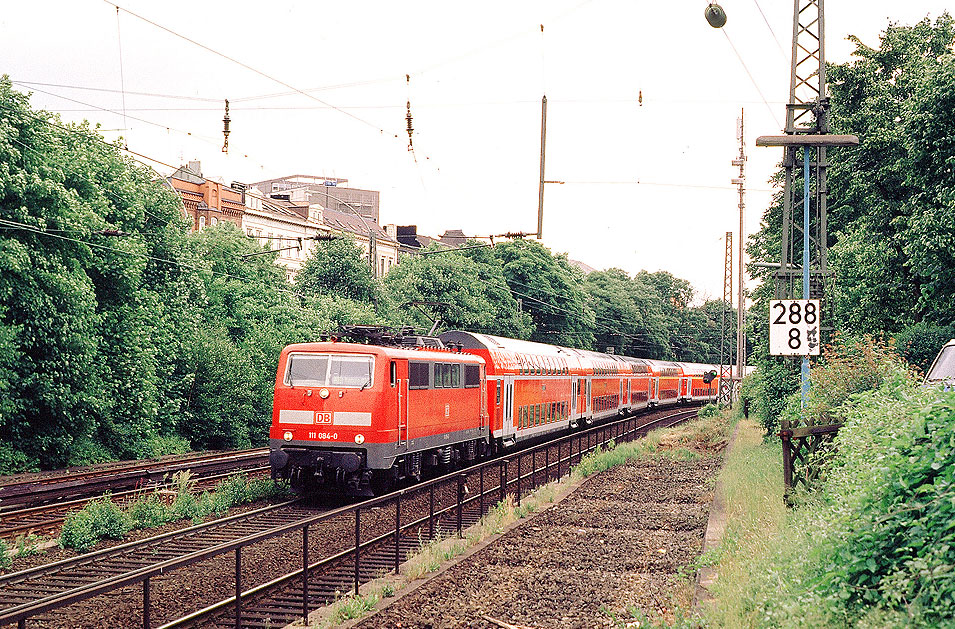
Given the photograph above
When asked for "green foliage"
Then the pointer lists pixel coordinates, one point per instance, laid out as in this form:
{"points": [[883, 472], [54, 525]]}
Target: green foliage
{"points": [[109, 520], [874, 544], [150, 512], [338, 267], [551, 292], [901, 553], [710, 410], [848, 366], [78, 531], [5, 560], [920, 343], [469, 290], [773, 382], [634, 310]]}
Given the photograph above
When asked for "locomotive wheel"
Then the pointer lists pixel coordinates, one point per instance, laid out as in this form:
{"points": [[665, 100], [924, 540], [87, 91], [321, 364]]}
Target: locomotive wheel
{"points": [[382, 481]]}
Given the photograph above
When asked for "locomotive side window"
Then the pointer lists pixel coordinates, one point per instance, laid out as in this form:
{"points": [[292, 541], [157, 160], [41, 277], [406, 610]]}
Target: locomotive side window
{"points": [[419, 375], [455, 376], [394, 373], [498, 389]]}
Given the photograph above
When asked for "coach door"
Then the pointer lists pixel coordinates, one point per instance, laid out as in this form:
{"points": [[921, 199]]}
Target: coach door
{"points": [[654, 390], [587, 410], [401, 388], [574, 392], [507, 398], [684, 387]]}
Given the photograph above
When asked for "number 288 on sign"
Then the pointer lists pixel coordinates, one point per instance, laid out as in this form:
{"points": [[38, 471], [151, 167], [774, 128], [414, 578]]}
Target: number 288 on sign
{"points": [[794, 327]]}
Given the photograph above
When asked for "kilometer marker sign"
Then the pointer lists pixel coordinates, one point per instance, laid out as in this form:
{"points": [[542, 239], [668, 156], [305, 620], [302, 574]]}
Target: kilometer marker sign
{"points": [[794, 327]]}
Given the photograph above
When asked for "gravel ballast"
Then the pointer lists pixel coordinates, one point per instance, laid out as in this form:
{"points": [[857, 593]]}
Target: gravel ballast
{"points": [[617, 550]]}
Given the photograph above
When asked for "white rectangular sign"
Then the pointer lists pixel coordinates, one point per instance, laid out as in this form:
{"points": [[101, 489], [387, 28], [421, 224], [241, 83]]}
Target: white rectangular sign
{"points": [[794, 327]]}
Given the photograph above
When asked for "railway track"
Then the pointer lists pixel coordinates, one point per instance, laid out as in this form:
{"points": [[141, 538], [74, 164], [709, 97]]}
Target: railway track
{"points": [[386, 530], [37, 504]]}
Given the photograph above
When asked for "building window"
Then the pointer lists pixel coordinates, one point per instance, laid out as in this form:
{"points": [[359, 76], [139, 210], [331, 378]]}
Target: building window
{"points": [[202, 223], [215, 221]]}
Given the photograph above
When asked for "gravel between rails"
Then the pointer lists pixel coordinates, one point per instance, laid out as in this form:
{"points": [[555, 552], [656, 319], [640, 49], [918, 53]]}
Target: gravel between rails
{"points": [[618, 542]]}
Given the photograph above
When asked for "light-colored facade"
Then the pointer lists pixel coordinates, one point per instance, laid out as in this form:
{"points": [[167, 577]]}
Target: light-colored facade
{"points": [[286, 217], [274, 209]]}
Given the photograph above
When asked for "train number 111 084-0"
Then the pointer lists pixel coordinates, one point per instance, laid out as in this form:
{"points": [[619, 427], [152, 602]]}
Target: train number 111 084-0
{"points": [[794, 327]]}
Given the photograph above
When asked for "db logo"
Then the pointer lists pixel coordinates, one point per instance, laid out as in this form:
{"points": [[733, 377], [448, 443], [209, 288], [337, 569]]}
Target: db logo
{"points": [[323, 418]]}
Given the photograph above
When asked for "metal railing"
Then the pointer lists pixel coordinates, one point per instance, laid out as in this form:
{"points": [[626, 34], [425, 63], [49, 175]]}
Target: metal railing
{"points": [[570, 450]]}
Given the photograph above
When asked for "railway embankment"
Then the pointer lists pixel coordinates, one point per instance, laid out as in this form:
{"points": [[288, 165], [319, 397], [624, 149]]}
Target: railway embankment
{"points": [[618, 548]]}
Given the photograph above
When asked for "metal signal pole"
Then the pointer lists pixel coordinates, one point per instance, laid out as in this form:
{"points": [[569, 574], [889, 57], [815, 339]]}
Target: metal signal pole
{"points": [[807, 127], [726, 369]]}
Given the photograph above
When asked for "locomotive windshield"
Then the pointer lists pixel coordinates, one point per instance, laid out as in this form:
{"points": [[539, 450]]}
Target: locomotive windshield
{"points": [[329, 370]]}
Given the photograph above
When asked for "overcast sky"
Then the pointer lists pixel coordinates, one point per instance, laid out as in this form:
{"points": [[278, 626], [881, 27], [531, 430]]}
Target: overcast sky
{"points": [[320, 88]]}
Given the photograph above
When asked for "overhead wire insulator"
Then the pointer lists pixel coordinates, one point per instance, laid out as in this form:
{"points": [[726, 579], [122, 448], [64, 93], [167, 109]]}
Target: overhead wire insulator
{"points": [[408, 117], [225, 128]]}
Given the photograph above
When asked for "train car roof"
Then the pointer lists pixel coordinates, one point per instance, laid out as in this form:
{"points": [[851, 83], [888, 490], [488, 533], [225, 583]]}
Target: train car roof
{"points": [[585, 358], [410, 352], [697, 369]]}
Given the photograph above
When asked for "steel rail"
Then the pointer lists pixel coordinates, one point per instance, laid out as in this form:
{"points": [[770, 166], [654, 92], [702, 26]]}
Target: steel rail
{"points": [[19, 613], [283, 585]]}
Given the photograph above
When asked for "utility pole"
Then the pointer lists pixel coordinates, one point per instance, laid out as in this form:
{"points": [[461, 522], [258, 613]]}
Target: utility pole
{"points": [[741, 307], [540, 193]]}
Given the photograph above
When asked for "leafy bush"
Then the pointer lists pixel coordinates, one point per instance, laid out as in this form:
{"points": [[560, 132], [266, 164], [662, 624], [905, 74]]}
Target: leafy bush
{"points": [[5, 560], [109, 520], [874, 544], [710, 410], [78, 531], [187, 506], [150, 512], [13, 461], [920, 343], [900, 555]]}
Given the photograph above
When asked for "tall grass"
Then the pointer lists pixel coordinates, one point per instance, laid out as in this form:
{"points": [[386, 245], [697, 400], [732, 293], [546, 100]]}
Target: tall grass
{"points": [[872, 544]]}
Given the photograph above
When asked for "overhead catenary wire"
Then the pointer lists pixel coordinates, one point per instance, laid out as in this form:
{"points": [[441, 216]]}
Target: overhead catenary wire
{"points": [[772, 112], [244, 65]]}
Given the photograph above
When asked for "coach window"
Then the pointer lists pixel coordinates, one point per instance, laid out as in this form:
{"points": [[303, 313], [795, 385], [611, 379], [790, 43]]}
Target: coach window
{"points": [[419, 375], [497, 388]]}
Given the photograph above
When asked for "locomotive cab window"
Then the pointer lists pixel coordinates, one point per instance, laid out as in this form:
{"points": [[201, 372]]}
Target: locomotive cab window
{"points": [[320, 370]]}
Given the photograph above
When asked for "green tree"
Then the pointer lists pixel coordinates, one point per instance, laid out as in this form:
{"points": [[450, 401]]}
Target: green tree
{"points": [[628, 313], [550, 290], [78, 307], [467, 293], [338, 267]]}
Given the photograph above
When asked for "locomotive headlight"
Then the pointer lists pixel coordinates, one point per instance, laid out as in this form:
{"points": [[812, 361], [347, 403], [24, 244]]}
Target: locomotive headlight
{"points": [[288, 435], [323, 393], [359, 438]]}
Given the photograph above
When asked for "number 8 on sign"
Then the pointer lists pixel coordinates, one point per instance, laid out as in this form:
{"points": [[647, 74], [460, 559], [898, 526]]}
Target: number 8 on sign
{"points": [[794, 327]]}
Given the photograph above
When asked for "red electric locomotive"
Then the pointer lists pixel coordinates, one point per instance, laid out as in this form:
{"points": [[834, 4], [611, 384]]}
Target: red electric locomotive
{"points": [[359, 416], [356, 418]]}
